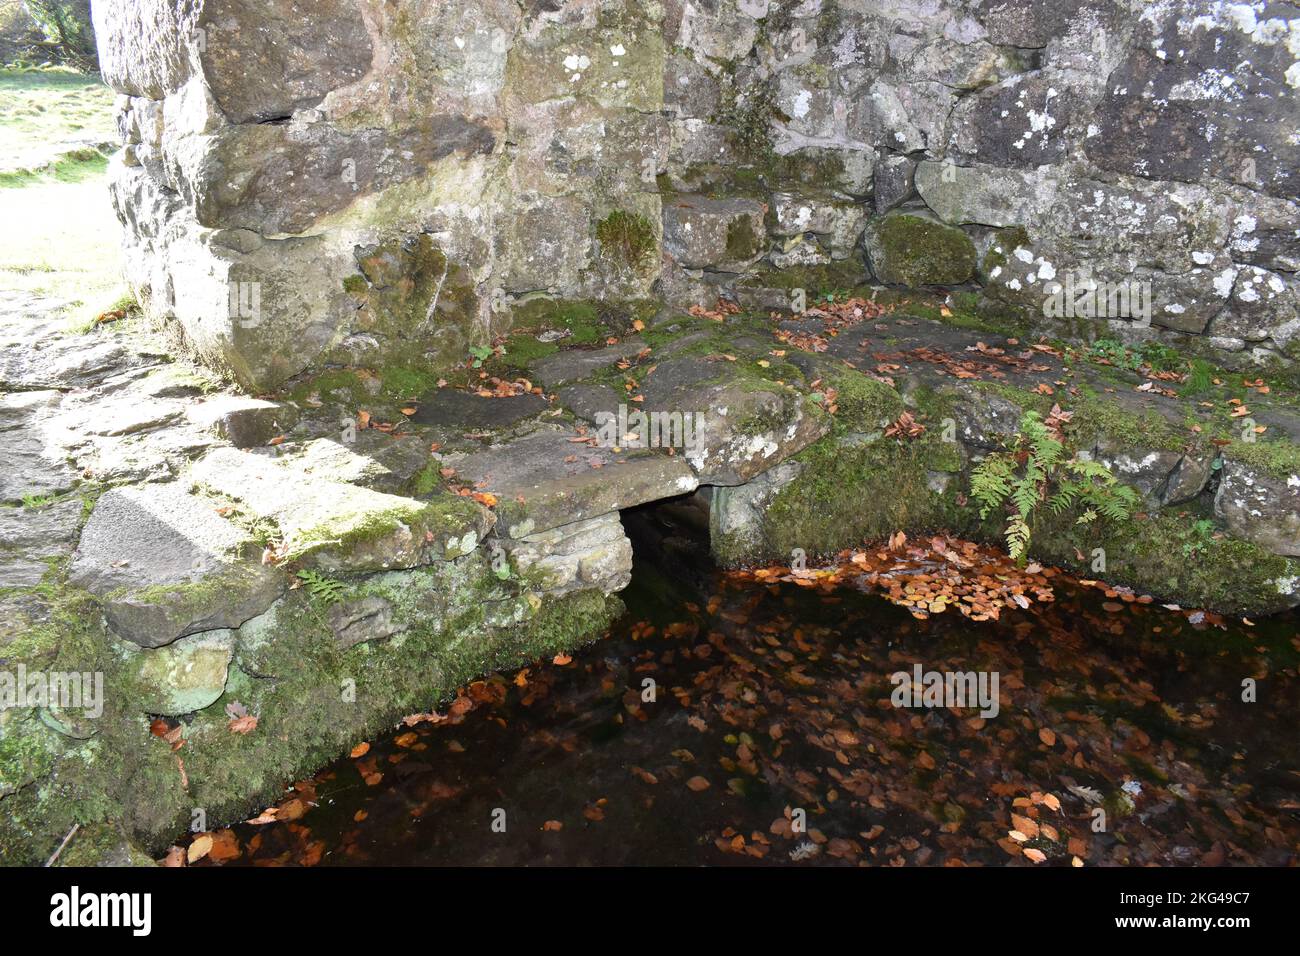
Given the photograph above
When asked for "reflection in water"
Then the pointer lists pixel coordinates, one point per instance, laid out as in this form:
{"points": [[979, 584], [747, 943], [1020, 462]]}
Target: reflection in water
{"points": [[707, 727]]}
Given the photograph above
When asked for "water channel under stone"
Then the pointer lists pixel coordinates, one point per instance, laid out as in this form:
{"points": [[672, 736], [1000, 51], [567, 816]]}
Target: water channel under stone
{"points": [[1121, 737]]}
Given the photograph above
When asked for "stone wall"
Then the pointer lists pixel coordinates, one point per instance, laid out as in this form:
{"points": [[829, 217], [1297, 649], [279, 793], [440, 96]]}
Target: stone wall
{"points": [[354, 182]]}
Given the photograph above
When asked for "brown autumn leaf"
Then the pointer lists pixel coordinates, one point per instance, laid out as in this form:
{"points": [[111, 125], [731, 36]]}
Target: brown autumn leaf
{"points": [[559, 660], [360, 750], [1047, 736], [175, 857], [225, 846], [1024, 825], [1038, 856], [553, 826], [244, 725], [697, 784]]}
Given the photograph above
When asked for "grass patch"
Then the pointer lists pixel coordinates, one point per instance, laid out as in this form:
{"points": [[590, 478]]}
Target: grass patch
{"points": [[47, 114], [64, 239]]}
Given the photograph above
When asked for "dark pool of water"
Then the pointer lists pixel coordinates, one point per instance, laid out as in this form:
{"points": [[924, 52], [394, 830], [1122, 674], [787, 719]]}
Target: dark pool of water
{"points": [[775, 699]]}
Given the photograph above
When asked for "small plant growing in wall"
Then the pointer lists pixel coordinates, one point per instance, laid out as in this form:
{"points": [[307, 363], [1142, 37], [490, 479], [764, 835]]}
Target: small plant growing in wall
{"points": [[320, 587], [480, 354], [1034, 472]]}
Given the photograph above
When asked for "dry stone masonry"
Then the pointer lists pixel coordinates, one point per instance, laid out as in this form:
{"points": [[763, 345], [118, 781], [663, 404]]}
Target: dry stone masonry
{"points": [[357, 182]]}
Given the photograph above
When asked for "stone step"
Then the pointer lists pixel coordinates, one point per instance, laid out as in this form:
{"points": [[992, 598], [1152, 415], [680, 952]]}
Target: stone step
{"points": [[165, 564], [332, 524]]}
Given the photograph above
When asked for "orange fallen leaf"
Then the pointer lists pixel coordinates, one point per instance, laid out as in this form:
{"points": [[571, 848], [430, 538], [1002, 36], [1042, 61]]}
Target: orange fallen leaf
{"points": [[360, 750], [244, 725]]}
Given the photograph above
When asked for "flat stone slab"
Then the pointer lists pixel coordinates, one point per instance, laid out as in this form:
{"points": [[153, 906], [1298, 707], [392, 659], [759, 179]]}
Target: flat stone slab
{"points": [[455, 408], [743, 426], [164, 564], [244, 422], [572, 365], [544, 479], [31, 464], [337, 525], [38, 350], [32, 538], [1258, 506]]}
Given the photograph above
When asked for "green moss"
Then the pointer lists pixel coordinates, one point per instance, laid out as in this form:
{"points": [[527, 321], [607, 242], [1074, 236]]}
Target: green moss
{"points": [[323, 700], [314, 700], [627, 236], [865, 405], [851, 492], [341, 385], [1278, 459], [397, 383], [582, 318], [1229, 575], [102, 844], [909, 250], [1096, 418], [742, 244], [189, 597], [356, 285]]}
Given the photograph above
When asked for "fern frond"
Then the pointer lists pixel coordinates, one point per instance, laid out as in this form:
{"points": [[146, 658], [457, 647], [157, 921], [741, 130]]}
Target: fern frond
{"points": [[321, 587]]}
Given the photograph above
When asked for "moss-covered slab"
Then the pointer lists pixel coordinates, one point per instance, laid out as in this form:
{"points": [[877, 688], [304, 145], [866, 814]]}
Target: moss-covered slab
{"points": [[903, 249], [321, 521], [969, 387], [1259, 494], [744, 422]]}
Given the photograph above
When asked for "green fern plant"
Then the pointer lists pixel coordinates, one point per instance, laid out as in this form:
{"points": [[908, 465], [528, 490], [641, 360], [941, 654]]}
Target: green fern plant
{"points": [[321, 587], [1034, 472]]}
